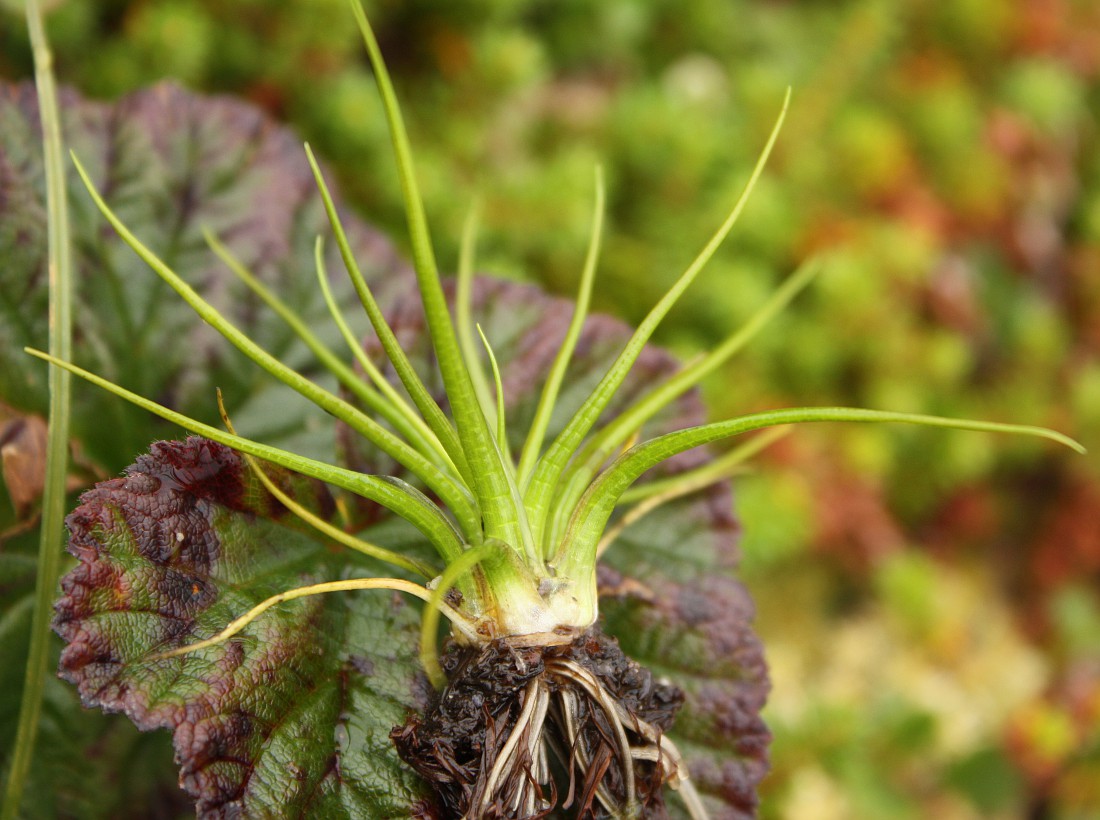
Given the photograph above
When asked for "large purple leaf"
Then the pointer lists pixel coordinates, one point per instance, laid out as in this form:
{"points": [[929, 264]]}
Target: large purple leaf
{"points": [[292, 716]]}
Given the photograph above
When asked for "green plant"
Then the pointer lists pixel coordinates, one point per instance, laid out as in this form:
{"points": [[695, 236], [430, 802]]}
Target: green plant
{"points": [[518, 539]]}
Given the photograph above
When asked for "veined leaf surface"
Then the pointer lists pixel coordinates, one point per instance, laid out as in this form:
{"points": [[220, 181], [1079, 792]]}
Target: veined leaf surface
{"points": [[293, 714]]}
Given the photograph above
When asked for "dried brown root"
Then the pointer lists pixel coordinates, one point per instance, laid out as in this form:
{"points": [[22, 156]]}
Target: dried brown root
{"points": [[521, 731]]}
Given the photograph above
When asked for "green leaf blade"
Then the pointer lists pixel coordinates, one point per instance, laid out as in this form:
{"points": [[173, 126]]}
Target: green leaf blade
{"points": [[489, 476], [463, 326], [577, 549], [544, 482], [390, 492], [532, 445]]}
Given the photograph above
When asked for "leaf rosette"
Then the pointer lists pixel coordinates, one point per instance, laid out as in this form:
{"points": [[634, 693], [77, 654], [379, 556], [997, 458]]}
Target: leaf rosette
{"points": [[277, 697]]}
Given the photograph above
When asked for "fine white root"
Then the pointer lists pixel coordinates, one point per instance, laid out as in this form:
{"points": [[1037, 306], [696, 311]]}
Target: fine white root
{"points": [[579, 749], [599, 693], [692, 801], [680, 781], [526, 727], [536, 750]]}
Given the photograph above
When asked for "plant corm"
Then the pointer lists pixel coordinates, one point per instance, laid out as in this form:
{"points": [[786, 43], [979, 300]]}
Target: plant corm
{"points": [[537, 709]]}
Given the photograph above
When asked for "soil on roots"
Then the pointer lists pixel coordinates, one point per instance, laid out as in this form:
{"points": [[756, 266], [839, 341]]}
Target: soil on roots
{"points": [[523, 731]]}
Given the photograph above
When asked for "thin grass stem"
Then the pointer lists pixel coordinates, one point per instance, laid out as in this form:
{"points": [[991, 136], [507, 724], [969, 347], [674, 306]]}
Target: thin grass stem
{"points": [[51, 534]]}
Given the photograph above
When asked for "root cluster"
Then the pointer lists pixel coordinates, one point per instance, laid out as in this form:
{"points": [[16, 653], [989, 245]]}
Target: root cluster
{"points": [[522, 731]]}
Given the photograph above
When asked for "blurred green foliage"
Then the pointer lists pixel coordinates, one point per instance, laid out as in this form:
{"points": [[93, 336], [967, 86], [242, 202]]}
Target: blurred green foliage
{"points": [[944, 155]]}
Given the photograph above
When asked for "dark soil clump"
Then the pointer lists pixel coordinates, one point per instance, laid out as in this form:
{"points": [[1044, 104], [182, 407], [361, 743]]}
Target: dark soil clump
{"points": [[520, 732]]}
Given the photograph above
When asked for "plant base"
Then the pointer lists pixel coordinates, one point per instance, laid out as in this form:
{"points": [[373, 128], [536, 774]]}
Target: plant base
{"points": [[523, 730]]}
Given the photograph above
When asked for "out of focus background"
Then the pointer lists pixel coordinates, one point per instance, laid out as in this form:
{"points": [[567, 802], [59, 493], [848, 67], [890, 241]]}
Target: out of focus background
{"points": [[929, 600]]}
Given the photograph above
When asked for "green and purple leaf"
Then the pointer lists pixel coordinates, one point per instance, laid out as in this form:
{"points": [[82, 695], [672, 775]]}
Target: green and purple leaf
{"points": [[295, 711]]}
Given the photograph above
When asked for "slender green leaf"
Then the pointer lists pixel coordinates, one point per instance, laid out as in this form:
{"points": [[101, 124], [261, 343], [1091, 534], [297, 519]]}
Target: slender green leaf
{"points": [[404, 418], [488, 475], [502, 430], [714, 470], [452, 493], [463, 326], [576, 553], [544, 482], [391, 493], [532, 446]]}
